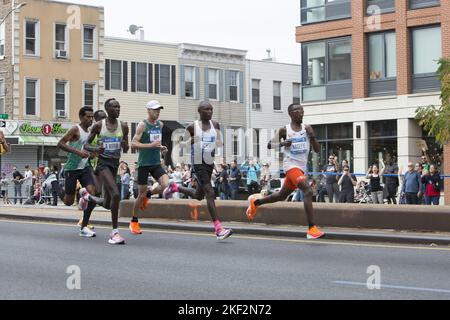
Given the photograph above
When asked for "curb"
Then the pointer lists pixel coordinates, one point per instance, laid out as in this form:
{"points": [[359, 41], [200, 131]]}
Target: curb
{"points": [[360, 236]]}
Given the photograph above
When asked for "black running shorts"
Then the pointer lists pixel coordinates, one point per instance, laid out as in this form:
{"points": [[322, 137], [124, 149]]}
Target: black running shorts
{"points": [[85, 177], [156, 171]]}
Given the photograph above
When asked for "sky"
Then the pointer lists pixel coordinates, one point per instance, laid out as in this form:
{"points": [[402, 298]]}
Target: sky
{"points": [[251, 25]]}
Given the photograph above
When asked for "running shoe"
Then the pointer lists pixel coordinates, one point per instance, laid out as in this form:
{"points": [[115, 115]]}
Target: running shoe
{"points": [[83, 204], [224, 234], [170, 190], [115, 238], [314, 233], [90, 226], [87, 233], [252, 209], [135, 228]]}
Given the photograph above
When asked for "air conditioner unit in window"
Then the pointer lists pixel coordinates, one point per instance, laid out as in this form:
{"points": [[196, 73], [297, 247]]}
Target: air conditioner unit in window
{"points": [[257, 106], [61, 113], [61, 54]]}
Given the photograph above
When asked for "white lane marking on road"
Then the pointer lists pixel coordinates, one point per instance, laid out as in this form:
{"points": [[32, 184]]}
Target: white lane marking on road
{"points": [[268, 238], [360, 284]]}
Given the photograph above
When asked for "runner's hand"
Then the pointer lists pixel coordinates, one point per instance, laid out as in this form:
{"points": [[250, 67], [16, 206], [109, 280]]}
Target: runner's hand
{"points": [[156, 144], [310, 131], [164, 150], [286, 143], [83, 154]]}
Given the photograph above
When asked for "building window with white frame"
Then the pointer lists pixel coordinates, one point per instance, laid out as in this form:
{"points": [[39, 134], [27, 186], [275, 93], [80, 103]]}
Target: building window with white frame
{"points": [[61, 41], [31, 38], [189, 82], [213, 78], [277, 95], [2, 96], [60, 98], [256, 94], [116, 75], [2, 41], [141, 77], [89, 94], [89, 42], [234, 86], [164, 79], [31, 97]]}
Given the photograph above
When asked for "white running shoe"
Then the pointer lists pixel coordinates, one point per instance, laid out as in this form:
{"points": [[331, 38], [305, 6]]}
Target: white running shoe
{"points": [[83, 204], [87, 233], [224, 234], [116, 239]]}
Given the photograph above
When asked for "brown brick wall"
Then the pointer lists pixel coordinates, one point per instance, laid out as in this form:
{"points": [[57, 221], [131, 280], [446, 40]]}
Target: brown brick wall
{"points": [[5, 65]]}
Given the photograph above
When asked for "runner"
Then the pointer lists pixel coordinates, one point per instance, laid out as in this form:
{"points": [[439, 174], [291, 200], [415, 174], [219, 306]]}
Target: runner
{"points": [[148, 141], [204, 137], [113, 139], [297, 139], [78, 167]]}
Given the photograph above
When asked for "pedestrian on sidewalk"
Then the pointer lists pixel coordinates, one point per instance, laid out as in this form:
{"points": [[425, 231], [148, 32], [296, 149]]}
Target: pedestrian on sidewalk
{"points": [[412, 183], [17, 180], [432, 181], [376, 190], [332, 187], [347, 182]]}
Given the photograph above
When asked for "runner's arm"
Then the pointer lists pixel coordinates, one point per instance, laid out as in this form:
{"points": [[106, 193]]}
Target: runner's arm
{"points": [[70, 136], [95, 131], [276, 140], [313, 139], [125, 141], [136, 144]]}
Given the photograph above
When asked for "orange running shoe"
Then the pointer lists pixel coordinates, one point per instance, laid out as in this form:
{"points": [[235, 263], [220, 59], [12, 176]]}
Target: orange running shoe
{"points": [[314, 233], [252, 209], [135, 228], [144, 204]]}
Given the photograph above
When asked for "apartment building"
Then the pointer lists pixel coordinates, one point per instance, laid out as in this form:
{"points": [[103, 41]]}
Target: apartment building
{"points": [[366, 67], [272, 87], [50, 66], [136, 72]]}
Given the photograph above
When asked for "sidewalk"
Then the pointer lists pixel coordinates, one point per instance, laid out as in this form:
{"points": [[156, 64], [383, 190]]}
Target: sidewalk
{"points": [[101, 217]]}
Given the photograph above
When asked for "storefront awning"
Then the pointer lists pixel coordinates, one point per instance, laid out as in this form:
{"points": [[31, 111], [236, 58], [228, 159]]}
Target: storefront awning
{"points": [[38, 141]]}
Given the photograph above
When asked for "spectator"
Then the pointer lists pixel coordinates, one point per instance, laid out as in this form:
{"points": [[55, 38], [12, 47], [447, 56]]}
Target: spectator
{"points": [[425, 160], [347, 182], [432, 181], [17, 180], [235, 179], [322, 189], [376, 190], [412, 184], [177, 177], [252, 176], [332, 179], [265, 176], [419, 170], [4, 183], [28, 184], [224, 188], [125, 183], [391, 182], [55, 186]]}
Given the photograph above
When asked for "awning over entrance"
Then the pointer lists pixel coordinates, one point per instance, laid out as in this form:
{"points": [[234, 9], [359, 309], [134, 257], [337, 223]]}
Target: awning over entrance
{"points": [[38, 141], [172, 125]]}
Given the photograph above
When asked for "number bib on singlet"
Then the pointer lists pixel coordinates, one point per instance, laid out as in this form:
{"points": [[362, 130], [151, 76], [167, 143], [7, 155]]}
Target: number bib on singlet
{"points": [[299, 146], [155, 135], [111, 144], [208, 144]]}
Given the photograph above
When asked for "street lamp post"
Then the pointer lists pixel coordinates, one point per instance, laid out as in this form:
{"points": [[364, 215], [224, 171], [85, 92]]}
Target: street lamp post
{"points": [[20, 5]]}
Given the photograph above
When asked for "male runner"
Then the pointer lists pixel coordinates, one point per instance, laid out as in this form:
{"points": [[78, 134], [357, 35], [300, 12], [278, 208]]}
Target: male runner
{"points": [[113, 139], [148, 141], [297, 139], [78, 167], [204, 137]]}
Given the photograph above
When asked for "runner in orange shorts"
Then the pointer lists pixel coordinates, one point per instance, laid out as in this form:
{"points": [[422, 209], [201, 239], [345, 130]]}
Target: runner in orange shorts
{"points": [[297, 138]]}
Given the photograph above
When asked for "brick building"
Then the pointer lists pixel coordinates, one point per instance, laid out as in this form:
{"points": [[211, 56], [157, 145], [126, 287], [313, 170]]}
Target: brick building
{"points": [[366, 67]]}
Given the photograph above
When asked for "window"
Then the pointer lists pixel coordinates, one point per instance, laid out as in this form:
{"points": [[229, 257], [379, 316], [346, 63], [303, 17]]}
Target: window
{"points": [[60, 95], [426, 52], [89, 95], [116, 75], [60, 39], [213, 78], [2, 96], [277, 95], [382, 56], [333, 55], [380, 6], [31, 97], [256, 94], [189, 82], [383, 140], [164, 79], [234, 86], [427, 49], [31, 38], [324, 10], [88, 42], [417, 4], [296, 93], [2, 40], [142, 77]]}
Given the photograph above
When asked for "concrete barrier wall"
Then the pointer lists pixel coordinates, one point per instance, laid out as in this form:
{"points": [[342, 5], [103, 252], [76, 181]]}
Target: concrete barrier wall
{"points": [[408, 218]]}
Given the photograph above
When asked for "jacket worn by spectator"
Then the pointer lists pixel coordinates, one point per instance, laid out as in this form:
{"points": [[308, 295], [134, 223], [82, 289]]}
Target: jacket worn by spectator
{"points": [[412, 182]]}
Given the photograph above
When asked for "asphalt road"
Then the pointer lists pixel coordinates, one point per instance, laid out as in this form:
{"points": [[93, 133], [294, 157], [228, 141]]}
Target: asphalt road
{"points": [[35, 257]]}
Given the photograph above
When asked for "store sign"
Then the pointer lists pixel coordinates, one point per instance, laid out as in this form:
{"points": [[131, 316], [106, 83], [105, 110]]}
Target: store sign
{"points": [[36, 128]]}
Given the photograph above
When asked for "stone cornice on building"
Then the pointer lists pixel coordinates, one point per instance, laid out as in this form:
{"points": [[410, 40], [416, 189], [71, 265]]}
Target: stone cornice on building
{"points": [[189, 51]]}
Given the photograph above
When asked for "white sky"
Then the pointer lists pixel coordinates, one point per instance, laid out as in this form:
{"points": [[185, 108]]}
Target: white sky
{"points": [[253, 25]]}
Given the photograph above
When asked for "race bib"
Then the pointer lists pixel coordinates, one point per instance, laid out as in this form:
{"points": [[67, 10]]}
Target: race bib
{"points": [[155, 135], [299, 146], [112, 144], [208, 144]]}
